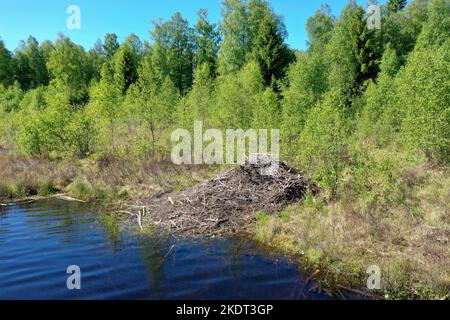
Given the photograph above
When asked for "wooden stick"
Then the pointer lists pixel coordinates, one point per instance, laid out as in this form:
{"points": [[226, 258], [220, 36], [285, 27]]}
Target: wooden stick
{"points": [[139, 219], [67, 198]]}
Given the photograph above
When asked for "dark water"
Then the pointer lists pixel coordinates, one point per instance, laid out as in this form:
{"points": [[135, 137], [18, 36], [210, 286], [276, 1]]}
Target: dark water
{"points": [[39, 240]]}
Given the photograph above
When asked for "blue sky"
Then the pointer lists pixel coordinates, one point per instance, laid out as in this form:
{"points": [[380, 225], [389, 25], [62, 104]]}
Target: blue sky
{"points": [[45, 18]]}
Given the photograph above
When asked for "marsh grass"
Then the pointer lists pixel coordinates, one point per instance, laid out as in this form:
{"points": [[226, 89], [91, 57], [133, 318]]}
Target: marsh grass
{"points": [[102, 179], [23, 177], [404, 231]]}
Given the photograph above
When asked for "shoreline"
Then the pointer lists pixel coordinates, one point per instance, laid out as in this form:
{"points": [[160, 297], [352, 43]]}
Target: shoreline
{"points": [[61, 196], [292, 232], [246, 234], [320, 273], [317, 272]]}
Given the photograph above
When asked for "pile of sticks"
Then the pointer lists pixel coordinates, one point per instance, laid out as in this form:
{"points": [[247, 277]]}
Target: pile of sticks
{"points": [[227, 203]]}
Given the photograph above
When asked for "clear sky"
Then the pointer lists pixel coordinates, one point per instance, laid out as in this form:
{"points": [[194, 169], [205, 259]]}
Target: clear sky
{"points": [[44, 19]]}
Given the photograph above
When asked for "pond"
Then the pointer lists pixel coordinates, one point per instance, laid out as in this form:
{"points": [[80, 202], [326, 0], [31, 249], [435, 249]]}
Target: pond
{"points": [[39, 240]]}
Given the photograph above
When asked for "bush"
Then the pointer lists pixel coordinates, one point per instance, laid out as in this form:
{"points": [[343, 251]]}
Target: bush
{"points": [[84, 190], [81, 135], [424, 92], [323, 143], [380, 118]]}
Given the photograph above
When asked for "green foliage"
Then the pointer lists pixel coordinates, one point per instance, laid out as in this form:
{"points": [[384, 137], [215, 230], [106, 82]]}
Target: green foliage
{"points": [[390, 62], [267, 111], [252, 31], [43, 131], [359, 110], [105, 108], [306, 83], [6, 65], [7, 131], [401, 28], [365, 49], [68, 65], [125, 98], [268, 34], [81, 134], [436, 30], [373, 174], [111, 45], [269, 49], [125, 67], [51, 129], [200, 100], [424, 92], [381, 116], [353, 54], [153, 105], [95, 60], [31, 69], [174, 51], [49, 124], [86, 191], [237, 97], [396, 5], [323, 148], [11, 97], [263, 218], [207, 40], [320, 26], [236, 44]]}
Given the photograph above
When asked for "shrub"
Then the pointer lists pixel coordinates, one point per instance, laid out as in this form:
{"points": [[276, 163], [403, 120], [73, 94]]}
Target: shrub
{"points": [[323, 143], [424, 92]]}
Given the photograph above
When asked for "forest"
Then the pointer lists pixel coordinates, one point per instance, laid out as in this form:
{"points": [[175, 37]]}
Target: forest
{"points": [[364, 112]]}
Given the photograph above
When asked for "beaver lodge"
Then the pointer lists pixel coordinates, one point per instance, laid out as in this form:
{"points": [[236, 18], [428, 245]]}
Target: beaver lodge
{"points": [[227, 203]]}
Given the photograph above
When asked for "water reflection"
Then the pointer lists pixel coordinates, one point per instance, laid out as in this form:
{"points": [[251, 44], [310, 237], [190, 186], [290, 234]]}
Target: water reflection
{"points": [[39, 240], [113, 229]]}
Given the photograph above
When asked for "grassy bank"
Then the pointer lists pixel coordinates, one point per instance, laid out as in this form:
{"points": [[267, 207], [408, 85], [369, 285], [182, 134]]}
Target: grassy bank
{"points": [[104, 180], [405, 231]]}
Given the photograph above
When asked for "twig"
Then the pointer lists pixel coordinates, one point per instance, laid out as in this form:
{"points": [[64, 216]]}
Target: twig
{"points": [[127, 212], [139, 218], [67, 198], [168, 252], [204, 197]]}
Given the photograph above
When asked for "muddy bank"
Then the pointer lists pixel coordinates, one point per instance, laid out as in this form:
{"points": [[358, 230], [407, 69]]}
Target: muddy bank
{"points": [[227, 203]]}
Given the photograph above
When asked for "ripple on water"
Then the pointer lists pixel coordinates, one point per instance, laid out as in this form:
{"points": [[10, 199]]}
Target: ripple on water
{"points": [[40, 240]]}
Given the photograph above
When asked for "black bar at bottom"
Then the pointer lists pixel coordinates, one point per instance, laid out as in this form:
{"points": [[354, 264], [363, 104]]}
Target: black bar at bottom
{"points": [[223, 309]]}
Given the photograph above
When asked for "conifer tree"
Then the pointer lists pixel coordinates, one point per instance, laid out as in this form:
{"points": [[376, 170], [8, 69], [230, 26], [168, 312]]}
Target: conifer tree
{"points": [[6, 65]]}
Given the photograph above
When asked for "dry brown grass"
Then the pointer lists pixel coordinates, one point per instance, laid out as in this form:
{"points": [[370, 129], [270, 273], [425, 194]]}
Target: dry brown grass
{"points": [[23, 177], [105, 179]]}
